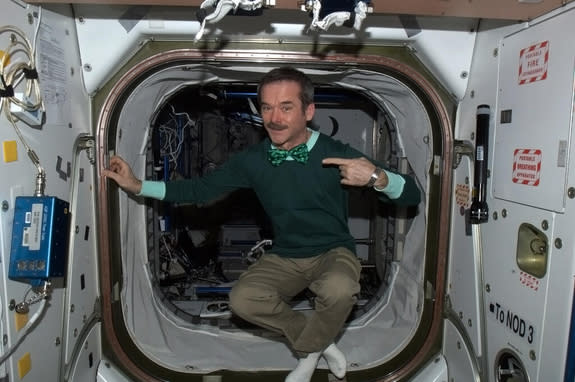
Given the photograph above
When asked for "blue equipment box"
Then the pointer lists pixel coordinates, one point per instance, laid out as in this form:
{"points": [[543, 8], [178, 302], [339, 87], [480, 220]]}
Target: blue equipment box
{"points": [[39, 238], [212, 290]]}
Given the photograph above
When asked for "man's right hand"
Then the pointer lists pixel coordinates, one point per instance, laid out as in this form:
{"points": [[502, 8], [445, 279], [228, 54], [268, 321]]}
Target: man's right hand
{"points": [[122, 174]]}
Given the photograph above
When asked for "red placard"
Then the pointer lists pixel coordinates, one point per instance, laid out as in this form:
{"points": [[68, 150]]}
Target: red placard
{"points": [[527, 166], [533, 63]]}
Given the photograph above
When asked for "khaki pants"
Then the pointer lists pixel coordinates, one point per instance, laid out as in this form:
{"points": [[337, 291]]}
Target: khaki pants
{"points": [[262, 293]]}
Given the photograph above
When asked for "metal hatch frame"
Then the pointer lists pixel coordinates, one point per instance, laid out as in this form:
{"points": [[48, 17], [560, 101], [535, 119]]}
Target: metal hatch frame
{"points": [[401, 365]]}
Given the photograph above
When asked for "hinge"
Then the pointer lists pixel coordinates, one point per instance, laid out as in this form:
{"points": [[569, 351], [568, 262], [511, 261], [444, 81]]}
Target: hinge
{"points": [[461, 148], [88, 143]]}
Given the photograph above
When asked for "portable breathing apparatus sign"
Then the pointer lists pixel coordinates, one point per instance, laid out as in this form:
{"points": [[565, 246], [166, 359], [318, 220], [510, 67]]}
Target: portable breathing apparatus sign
{"points": [[533, 63], [527, 166], [462, 195], [512, 321]]}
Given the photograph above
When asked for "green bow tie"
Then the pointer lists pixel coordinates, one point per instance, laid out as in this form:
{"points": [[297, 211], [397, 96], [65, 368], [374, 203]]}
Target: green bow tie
{"points": [[298, 153]]}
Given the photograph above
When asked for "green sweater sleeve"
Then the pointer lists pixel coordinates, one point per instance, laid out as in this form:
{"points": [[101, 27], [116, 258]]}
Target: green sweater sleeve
{"points": [[230, 176]]}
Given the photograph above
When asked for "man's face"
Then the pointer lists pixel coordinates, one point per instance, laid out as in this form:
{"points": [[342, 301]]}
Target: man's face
{"points": [[284, 119]]}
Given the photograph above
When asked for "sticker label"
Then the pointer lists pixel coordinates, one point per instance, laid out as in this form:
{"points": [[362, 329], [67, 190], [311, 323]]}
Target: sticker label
{"points": [[527, 166], [562, 154], [479, 153], [26, 237], [529, 281], [34, 230], [462, 195], [533, 63], [512, 322]]}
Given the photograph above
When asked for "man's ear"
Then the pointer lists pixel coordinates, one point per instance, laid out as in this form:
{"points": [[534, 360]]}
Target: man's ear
{"points": [[310, 111]]}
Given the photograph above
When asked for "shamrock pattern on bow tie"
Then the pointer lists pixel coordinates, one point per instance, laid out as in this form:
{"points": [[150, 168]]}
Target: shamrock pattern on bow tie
{"points": [[299, 153]]}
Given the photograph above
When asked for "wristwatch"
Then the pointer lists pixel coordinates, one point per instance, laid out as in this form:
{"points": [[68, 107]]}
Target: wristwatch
{"points": [[374, 177]]}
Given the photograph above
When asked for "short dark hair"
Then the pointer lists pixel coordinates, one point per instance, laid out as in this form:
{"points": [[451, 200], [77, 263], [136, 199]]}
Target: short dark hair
{"points": [[288, 73]]}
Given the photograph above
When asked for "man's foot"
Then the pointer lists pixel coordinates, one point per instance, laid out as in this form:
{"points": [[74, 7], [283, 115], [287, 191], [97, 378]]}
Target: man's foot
{"points": [[304, 369], [335, 361]]}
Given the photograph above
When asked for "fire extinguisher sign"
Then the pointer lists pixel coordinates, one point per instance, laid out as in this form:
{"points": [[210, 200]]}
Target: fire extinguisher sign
{"points": [[527, 166], [533, 63]]}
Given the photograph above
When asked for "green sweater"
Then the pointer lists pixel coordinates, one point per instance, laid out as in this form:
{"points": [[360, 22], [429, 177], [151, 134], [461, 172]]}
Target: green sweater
{"points": [[306, 203]]}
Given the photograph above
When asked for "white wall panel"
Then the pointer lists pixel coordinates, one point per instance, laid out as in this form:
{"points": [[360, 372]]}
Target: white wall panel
{"points": [[534, 114], [110, 35], [525, 315], [67, 108]]}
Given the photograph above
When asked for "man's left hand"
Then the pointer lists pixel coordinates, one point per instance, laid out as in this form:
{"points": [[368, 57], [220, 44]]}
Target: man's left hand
{"points": [[356, 171]]}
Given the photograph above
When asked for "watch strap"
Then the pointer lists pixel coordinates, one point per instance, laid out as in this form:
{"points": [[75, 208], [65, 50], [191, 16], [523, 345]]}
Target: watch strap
{"points": [[376, 174]]}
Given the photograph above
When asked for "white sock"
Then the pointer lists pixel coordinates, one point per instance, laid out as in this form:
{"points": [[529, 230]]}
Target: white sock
{"points": [[335, 361], [304, 369]]}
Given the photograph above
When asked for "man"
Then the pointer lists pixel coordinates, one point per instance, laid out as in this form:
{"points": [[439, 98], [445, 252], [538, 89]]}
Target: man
{"points": [[301, 178]]}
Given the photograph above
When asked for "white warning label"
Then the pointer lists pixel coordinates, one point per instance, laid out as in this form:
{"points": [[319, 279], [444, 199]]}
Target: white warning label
{"points": [[35, 227], [533, 63], [527, 166], [462, 195]]}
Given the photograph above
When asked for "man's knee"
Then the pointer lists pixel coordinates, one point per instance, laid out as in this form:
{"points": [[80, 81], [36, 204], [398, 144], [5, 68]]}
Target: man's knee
{"points": [[239, 299], [338, 288], [247, 299]]}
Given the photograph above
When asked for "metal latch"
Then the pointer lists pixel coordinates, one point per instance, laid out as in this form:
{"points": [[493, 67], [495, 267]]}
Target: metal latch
{"points": [[461, 148]]}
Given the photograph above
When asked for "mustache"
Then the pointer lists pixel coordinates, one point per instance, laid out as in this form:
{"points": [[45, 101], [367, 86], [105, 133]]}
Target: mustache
{"points": [[275, 126]]}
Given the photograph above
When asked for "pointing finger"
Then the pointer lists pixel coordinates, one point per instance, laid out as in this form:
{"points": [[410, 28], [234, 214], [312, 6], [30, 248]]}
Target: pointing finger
{"points": [[335, 161]]}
